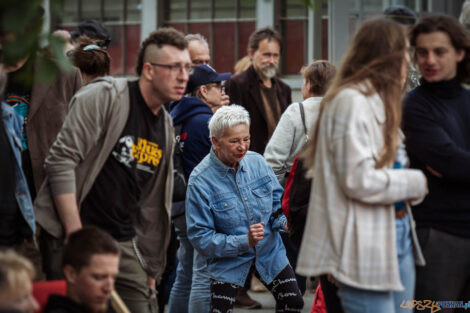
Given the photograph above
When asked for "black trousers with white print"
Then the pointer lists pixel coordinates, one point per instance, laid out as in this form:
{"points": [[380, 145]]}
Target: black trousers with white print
{"points": [[284, 289]]}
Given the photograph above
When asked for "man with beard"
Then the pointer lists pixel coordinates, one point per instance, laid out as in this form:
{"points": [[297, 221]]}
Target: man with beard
{"points": [[90, 263], [257, 89]]}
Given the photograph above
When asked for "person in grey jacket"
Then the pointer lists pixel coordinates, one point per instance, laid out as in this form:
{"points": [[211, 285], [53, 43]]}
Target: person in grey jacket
{"points": [[111, 166], [291, 133]]}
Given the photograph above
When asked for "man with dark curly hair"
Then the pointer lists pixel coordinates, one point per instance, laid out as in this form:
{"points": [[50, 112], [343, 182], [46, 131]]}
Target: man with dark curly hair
{"points": [[111, 165]]}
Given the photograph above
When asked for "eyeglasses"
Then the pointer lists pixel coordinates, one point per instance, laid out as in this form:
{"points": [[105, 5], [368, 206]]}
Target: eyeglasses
{"points": [[175, 68]]}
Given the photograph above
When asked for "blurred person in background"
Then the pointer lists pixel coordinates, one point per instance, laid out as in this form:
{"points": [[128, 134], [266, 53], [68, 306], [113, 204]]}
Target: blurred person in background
{"points": [[92, 60], [406, 17], [93, 29], [290, 136]]}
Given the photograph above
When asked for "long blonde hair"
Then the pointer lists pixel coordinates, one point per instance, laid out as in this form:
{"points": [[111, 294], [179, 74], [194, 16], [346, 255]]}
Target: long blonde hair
{"points": [[376, 55]]}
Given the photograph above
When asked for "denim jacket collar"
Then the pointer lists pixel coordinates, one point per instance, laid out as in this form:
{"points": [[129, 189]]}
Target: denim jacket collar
{"points": [[221, 167]]}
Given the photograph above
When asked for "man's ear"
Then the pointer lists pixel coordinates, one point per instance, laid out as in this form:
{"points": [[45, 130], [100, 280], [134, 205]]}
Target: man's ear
{"points": [[147, 70], [70, 274], [203, 91], [460, 55]]}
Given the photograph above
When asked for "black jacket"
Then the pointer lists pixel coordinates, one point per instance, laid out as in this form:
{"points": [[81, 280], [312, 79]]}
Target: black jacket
{"points": [[243, 89], [437, 128], [61, 304]]}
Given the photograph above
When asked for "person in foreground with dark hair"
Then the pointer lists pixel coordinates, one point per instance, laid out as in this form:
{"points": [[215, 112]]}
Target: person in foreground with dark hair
{"points": [[90, 263], [359, 228], [437, 128], [92, 60], [111, 166]]}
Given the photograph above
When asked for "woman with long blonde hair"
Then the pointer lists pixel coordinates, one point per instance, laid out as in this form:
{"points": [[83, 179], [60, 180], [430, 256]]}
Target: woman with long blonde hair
{"points": [[359, 226]]}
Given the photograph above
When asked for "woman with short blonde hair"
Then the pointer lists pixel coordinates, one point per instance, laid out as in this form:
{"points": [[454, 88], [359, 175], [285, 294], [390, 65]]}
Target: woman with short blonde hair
{"points": [[16, 274]]}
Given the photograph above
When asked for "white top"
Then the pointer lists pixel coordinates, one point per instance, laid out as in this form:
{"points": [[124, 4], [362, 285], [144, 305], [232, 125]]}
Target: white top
{"points": [[289, 136]]}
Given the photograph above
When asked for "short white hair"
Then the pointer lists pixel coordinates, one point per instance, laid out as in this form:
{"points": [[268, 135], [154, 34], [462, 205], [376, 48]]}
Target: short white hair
{"points": [[198, 37], [227, 117]]}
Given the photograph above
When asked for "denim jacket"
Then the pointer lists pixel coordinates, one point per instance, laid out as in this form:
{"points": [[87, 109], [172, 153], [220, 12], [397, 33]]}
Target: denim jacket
{"points": [[221, 203], [12, 124]]}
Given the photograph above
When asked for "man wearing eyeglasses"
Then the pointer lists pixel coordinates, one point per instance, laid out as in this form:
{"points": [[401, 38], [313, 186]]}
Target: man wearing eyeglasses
{"points": [[111, 165]]}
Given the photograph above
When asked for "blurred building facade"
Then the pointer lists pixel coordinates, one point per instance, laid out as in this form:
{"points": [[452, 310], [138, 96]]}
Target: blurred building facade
{"points": [[319, 31]]}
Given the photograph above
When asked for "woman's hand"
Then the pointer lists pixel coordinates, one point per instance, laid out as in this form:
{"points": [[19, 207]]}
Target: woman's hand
{"points": [[255, 234]]}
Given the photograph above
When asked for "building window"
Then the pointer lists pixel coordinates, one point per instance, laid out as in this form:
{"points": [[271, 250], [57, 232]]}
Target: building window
{"points": [[122, 18], [293, 22], [226, 25]]}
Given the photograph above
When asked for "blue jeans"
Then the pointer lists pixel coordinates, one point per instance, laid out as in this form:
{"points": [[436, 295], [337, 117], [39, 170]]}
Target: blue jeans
{"points": [[179, 296], [200, 299], [357, 300]]}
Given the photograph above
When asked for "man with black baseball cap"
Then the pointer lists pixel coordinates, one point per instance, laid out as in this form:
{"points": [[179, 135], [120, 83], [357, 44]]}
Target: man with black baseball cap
{"points": [[191, 118]]}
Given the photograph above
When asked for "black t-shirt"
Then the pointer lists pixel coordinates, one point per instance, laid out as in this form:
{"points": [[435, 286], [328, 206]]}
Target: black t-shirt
{"points": [[128, 173], [13, 227], [18, 95]]}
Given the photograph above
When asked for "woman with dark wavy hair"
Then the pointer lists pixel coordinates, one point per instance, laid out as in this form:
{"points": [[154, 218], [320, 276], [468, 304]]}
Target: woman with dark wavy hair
{"points": [[359, 226]]}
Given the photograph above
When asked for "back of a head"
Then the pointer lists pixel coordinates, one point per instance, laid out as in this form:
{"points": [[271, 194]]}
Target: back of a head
{"points": [[86, 242], [16, 272], [458, 36], [401, 14], [160, 37], [319, 74], [91, 59]]}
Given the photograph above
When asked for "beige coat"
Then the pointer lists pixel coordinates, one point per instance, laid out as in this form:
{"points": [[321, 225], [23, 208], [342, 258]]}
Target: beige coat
{"points": [[350, 229]]}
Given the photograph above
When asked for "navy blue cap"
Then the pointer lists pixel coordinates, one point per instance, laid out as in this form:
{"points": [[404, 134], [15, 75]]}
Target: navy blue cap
{"points": [[203, 75]]}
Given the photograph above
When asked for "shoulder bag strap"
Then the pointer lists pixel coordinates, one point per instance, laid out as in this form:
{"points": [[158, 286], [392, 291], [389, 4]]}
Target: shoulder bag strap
{"points": [[302, 115]]}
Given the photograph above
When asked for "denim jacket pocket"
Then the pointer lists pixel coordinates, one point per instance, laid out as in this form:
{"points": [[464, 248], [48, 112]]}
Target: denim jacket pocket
{"points": [[263, 190], [225, 211]]}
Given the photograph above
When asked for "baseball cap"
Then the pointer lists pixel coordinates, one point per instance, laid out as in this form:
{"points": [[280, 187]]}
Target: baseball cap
{"points": [[401, 14], [93, 29], [203, 75]]}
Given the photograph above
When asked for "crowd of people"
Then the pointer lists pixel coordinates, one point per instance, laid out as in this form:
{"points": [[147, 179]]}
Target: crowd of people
{"points": [[110, 184]]}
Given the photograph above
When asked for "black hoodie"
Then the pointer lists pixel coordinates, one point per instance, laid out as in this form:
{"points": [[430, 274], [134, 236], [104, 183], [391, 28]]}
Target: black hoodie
{"points": [[61, 304]]}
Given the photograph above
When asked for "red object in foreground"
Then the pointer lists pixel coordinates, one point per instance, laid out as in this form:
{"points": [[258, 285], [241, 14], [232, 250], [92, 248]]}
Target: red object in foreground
{"points": [[318, 301], [42, 290]]}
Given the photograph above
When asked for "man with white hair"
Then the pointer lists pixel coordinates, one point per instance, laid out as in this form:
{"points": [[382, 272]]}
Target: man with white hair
{"points": [[198, 49]]}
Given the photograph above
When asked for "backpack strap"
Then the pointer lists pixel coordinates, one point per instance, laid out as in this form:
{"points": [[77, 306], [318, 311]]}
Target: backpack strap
{"points": [[302, 115]]}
